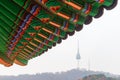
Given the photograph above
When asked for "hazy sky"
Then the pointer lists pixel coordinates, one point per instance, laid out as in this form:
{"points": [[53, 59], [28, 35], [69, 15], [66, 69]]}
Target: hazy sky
{"points": [[99, 42]]}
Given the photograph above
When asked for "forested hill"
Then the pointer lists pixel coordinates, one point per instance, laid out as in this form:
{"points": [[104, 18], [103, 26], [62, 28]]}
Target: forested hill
{"points": [[98, 77], [74, 74]]}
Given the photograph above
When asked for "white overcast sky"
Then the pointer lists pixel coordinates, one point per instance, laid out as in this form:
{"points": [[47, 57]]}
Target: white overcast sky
{"points": [[99, 42]]}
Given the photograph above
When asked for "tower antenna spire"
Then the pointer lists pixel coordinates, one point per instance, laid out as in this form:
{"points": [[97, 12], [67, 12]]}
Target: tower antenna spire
{"points": [[89, 64]]}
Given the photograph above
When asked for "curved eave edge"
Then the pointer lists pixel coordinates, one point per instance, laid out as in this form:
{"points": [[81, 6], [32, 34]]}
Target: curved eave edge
{"points": [[5, 60], [20, 62]]}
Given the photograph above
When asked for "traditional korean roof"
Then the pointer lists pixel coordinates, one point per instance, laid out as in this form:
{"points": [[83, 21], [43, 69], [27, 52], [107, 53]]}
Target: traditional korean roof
{"points": [[28, 28]]}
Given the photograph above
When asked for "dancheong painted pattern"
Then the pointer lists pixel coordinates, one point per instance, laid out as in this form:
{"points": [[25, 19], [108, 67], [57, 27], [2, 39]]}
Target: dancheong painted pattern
{"points": [[28, 28]]}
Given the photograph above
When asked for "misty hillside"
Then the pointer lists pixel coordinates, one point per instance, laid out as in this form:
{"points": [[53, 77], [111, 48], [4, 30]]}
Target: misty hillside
{"points": [[74, 74]]}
